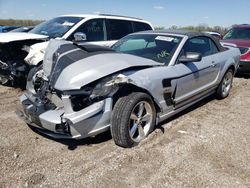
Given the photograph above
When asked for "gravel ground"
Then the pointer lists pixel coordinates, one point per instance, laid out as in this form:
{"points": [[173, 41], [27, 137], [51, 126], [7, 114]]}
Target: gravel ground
{"points": [[206, 146]]}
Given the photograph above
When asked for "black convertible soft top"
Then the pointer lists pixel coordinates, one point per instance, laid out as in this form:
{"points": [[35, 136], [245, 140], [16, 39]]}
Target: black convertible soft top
{"points": [[189, 34]]}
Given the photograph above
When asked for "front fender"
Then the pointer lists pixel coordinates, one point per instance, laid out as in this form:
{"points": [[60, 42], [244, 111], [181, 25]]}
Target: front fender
{"points": [[128, 84]]}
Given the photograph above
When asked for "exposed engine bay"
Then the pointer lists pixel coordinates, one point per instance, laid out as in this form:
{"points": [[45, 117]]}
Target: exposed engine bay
{"points": [[41, 80], [13, 68]]}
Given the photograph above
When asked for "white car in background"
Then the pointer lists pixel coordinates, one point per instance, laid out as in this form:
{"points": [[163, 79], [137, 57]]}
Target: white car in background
{"points": [[19, 52]]}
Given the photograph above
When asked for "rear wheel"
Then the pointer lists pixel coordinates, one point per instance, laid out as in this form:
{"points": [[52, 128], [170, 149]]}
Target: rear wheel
{"points": [[225, 85], [133, 119]]}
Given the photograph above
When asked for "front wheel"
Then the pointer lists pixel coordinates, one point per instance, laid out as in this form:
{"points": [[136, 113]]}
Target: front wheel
{"points": [[133, 118], [225, 85]]}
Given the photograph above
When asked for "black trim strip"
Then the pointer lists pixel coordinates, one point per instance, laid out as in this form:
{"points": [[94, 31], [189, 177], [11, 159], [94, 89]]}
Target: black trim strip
{"points": [[169, 97], [174, 94], [177, 77], [192, 98], [167, 82]]}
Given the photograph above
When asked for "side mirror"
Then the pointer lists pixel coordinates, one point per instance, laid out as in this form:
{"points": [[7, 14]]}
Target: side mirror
{"points": [[79, 36], [190, 57]]}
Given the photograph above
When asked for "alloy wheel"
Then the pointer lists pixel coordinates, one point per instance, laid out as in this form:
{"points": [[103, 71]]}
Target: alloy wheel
{"points": [[227, 83], [140, 121]]}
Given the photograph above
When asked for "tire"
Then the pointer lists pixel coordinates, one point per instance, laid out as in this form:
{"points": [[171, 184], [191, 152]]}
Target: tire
{"points": [[226, 84], [133, 118]]}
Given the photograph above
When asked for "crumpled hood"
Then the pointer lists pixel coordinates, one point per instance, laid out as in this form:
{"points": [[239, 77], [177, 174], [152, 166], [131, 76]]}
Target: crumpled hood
{"points": [[18, 36], [97, 66]]}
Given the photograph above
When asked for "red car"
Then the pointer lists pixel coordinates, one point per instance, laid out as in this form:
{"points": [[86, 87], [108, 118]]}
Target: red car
{"points": [[240, 36]]}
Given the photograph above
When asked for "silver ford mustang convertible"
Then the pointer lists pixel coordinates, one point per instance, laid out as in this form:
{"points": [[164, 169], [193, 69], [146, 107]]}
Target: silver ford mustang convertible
{"points": [[146, 77]]}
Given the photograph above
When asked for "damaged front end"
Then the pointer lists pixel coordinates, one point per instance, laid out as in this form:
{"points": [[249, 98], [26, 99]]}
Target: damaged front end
{"points": [[72, 94], [65, 114], [70, 114], [13, 68]]}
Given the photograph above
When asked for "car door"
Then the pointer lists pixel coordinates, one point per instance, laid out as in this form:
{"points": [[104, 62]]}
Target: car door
{"points": [[95, 31], [196, 79]]}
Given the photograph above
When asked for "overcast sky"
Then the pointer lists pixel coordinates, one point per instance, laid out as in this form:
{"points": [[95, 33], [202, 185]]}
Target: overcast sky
{"points": [[159, 12]]}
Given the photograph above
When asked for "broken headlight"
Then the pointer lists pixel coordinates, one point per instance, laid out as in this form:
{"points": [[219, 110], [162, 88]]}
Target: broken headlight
{"points": [[96, 91], [103, 88], [109, 86]]}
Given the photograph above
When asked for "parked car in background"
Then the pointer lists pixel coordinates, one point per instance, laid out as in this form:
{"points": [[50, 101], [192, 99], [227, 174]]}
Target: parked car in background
{"points": [[144, 79], [5, 29], [215, 34], [19, 52], [239, 35], [23, 29]]}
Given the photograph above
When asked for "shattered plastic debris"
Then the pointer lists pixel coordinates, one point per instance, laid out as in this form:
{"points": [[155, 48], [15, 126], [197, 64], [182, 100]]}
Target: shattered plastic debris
{"points": [[182, 132]]}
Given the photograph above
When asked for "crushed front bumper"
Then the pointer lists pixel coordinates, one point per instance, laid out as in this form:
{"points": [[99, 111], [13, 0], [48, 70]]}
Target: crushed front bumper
{"points": [[61, 123]]}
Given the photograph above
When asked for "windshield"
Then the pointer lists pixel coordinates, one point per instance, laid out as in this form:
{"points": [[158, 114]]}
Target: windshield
{"points": [[21, 29], [238, 33], [159, 48], [56, 27]]}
